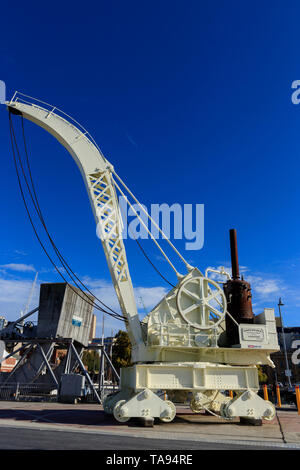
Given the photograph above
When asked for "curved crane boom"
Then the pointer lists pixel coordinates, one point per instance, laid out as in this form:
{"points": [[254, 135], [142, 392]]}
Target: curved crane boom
{"points": [[186, 350], [97, 175]]}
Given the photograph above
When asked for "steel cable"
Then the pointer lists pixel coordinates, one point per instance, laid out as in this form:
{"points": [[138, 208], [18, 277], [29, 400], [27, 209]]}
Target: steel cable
{"points": [[39, 212], [13, 140]]}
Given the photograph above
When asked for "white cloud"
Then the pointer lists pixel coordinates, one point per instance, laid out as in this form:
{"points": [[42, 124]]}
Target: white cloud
{"points": [[18, 267], [218, 277], [264, 286], [105, 291], [20, 252], [14, 295], [150, 295]]}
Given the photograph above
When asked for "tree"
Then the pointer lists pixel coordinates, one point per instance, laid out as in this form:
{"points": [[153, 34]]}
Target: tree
{"points": [[121, 351], [91, 361]]}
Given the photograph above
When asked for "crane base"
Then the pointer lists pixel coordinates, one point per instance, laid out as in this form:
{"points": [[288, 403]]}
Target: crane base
{"points": [[144, 405], [138, 397]]}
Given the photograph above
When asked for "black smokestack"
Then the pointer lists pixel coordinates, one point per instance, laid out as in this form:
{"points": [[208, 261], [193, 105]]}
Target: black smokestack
{"points": [[238, 295]]}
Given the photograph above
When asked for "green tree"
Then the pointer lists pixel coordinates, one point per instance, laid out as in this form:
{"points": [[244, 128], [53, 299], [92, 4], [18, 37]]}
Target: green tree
{"points": [[121, 351], [91, 360]]}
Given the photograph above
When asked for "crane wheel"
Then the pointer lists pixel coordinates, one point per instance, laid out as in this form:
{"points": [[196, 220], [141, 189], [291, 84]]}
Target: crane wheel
{"points": [[118, 412], [172, 414], [268, 416]]}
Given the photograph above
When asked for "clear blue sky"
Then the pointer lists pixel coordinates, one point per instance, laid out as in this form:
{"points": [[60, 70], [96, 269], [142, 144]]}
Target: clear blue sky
{"points": [[191, 102]]}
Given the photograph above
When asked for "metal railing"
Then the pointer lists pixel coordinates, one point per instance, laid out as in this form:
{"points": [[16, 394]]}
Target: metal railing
{"points": [[19, 97], [21, 392], [44, 392]]}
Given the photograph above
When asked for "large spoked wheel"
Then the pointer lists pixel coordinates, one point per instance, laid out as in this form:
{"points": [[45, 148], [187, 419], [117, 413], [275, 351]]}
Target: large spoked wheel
{"points": [[201, 302], [172, 412], [117, 412]]}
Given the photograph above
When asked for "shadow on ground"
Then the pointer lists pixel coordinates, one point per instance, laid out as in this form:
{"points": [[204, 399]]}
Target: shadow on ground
{"points": [[65, 416], [89, 417]]}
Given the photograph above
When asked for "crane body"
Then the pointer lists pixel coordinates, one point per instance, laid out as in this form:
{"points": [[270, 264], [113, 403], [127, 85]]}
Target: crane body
{"points": [[181, 346]]}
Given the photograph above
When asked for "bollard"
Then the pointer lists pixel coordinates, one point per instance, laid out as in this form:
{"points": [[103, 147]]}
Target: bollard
{"points": [[298, 398], [231, 393], [278, 396], [266, 397]]}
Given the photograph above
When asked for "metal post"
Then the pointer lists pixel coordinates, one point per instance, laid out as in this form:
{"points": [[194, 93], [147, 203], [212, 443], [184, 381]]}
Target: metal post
{"points": [[110, 376], [287, 372], [47, 364], [266, 397], [85, 372], [298, 398], [101, 369], [17, 392], [278, 396], [68, 360], [101, 374], [111, 365]]}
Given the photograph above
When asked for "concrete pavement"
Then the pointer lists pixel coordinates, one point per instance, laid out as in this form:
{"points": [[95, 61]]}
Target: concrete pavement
{"points": [[282, 432]]}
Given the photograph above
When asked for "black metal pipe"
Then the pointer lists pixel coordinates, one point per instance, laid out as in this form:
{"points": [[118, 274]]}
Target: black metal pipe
{"points": [[234, 254]]}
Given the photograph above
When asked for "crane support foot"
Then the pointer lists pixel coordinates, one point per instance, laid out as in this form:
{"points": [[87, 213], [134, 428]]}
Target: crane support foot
{"points": [[144, 404], [250, 406]]}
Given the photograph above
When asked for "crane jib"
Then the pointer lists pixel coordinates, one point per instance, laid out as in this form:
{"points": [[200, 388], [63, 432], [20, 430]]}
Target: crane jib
{"points": [[96, 173]]}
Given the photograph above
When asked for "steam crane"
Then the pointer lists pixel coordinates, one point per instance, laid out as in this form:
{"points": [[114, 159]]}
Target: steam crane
{"points": [[200, 338]]}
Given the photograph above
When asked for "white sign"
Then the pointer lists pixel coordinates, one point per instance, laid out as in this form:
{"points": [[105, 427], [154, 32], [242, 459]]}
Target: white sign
{"points": [[77, 321], [253, 334]]}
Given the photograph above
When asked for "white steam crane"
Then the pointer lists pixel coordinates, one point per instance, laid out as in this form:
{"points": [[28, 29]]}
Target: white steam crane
{"points": [[200, 339]]}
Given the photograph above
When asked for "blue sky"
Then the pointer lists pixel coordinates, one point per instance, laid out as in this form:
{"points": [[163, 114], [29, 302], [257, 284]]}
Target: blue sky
{"points": [[191, 102]]}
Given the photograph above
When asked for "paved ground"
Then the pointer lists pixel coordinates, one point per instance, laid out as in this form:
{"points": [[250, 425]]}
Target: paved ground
{"points": [[22, 422], [36, 439]]}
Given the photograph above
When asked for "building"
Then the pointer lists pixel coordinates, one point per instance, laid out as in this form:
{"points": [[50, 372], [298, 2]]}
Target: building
{"points": [[8, 364], [3, 322], [291, 335]]}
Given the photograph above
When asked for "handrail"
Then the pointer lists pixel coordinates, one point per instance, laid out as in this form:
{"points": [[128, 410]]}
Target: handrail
{"points": [[18, 97]]}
